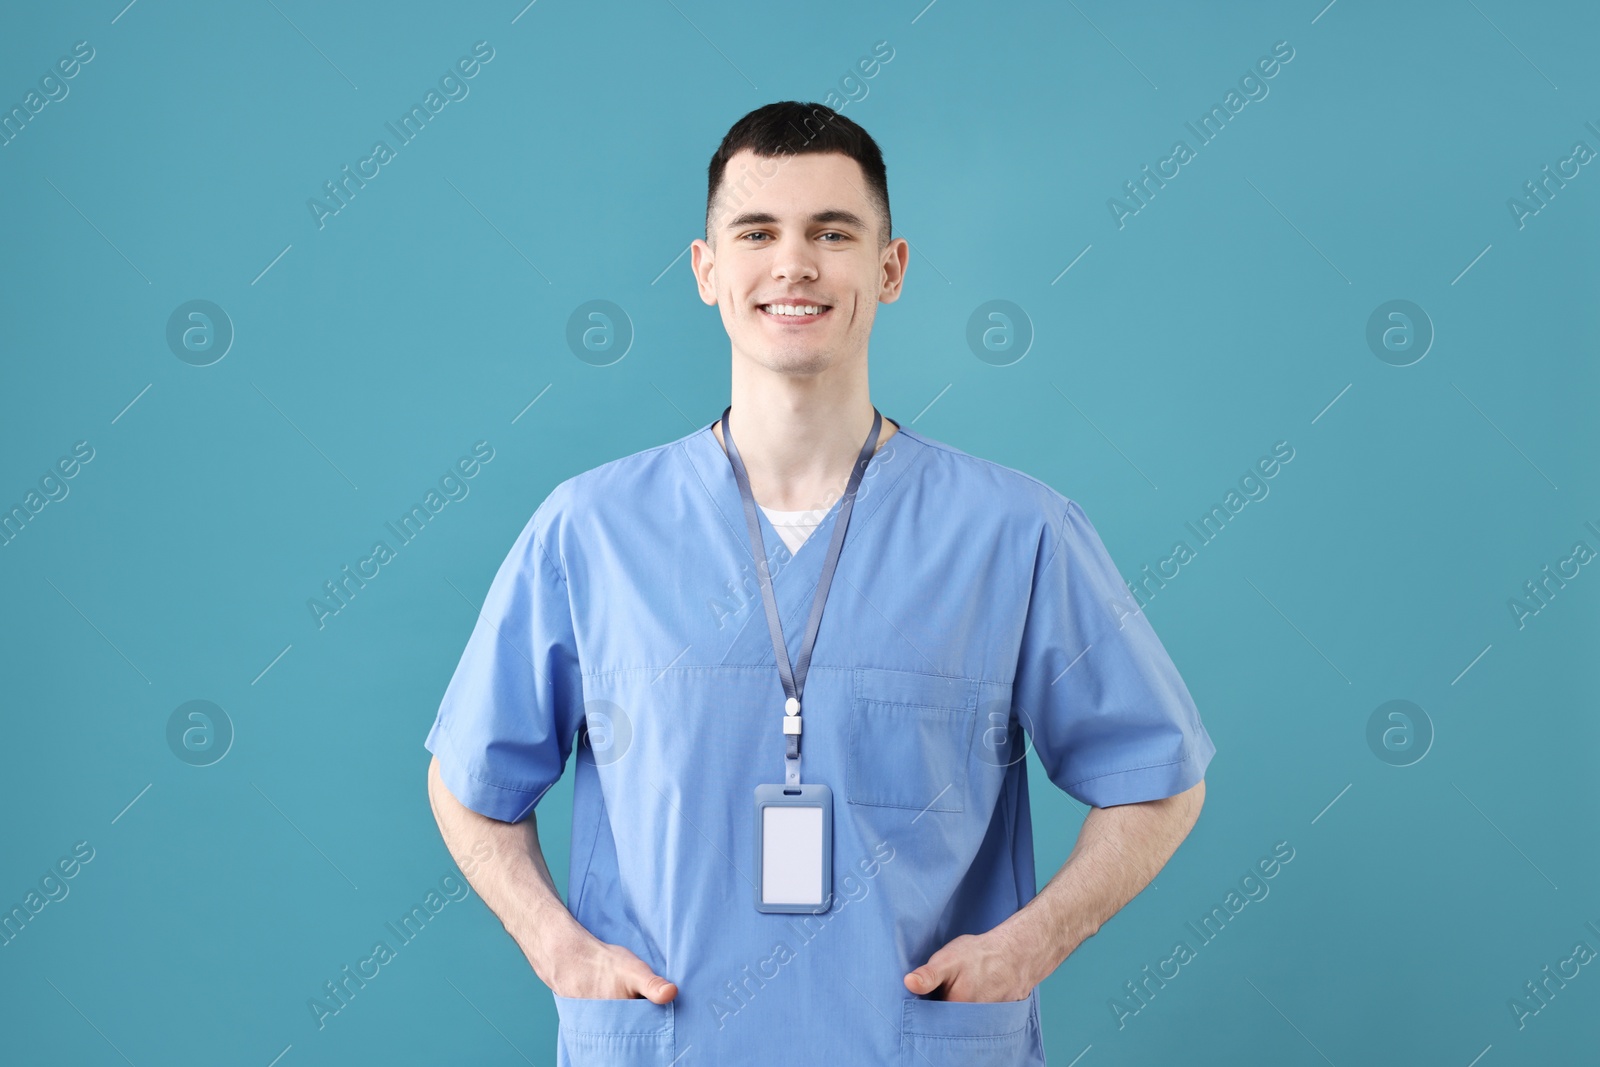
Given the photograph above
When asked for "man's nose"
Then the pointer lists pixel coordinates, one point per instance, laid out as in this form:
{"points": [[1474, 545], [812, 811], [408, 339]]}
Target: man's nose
{"points": [[795, 261]]}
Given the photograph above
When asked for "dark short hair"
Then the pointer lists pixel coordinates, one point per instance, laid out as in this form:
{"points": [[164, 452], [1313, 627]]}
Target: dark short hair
{"points": [[793, 128]]}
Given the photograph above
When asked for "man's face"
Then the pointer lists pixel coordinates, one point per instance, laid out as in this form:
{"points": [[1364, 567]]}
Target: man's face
{"points": [[795, 233]]}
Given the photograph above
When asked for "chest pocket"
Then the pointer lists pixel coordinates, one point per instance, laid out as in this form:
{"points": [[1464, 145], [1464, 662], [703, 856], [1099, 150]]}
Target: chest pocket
{"points": [[910, 739]]}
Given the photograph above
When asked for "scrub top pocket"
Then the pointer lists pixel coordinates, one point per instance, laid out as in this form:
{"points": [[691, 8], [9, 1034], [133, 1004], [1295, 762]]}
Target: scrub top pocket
{"points": [[607, 1032], [910, 740], [948, 1033]]}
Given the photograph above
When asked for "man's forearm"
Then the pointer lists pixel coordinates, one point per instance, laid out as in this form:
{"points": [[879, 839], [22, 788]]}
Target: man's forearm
{"points": [[505, 865], [1119, 851]]}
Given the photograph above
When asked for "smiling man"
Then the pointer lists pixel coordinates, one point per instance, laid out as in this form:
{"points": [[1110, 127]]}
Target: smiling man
{"points": [[802, 653]]}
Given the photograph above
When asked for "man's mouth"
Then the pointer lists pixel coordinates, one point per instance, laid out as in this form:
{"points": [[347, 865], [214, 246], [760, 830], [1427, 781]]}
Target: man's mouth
{"points": [[795, 314]]}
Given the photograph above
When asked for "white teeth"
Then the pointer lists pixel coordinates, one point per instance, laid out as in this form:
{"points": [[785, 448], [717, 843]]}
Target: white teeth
{"points": [[793, 309]]}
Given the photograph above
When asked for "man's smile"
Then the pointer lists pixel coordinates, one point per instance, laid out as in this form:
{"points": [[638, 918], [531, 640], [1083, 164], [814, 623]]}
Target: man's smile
{"points": [[794, 314]]}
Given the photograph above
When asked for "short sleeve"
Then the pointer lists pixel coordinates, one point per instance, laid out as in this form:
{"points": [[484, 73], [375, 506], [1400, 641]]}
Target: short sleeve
{"points": [[512, 709], [1107, 713]]}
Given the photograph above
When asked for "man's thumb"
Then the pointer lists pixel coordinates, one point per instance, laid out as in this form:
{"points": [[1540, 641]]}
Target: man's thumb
{"points": [[923, 980], [658, 990]]}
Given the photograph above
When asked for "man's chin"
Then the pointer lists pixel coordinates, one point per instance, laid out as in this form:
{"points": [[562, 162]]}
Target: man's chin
{"points": [[798, 362]]}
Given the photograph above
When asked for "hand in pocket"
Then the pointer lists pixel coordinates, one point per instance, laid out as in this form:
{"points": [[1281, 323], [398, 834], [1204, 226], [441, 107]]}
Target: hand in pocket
{"points": [[591, 969]]}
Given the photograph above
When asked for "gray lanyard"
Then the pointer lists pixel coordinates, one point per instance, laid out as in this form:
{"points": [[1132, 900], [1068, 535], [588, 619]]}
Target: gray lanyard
{"points": [[794, 680]]}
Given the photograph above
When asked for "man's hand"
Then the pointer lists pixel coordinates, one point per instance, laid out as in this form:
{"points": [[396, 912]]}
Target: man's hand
{"points": [[582, 965], [504, 863], [977, 967], [1119, 849]]}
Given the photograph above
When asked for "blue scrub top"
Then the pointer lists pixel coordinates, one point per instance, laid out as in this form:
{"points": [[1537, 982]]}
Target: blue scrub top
{"points": [[975, 615]]}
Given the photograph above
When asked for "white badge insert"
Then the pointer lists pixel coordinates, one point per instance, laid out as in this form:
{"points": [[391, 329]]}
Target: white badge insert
{"points": [[794, 840]]}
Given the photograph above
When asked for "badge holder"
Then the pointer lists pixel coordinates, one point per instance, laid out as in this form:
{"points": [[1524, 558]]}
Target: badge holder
{"points": [[794, 845], [794, 822]]}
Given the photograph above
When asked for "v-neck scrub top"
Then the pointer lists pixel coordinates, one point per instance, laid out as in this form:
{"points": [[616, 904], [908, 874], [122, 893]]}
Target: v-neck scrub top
{"points": [[975, 616]]}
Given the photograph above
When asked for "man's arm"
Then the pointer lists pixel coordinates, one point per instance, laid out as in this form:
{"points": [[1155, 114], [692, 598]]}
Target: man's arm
{"points": [[504, 863], [1119, 850]]}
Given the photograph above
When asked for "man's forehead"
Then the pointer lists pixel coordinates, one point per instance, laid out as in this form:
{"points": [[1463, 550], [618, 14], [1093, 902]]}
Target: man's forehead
{"points": [[793, 184]]}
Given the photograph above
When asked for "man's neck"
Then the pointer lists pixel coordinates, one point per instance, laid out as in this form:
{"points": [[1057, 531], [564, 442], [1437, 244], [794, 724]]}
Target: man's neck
{"points": [[799, 436]]}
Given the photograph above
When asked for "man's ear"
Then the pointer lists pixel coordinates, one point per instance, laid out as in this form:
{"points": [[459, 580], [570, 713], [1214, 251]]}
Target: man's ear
{"points": [[896, 257], [703, 261]]}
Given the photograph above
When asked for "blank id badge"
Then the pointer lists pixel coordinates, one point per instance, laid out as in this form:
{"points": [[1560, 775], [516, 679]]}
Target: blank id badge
{"points": [[794, 848]]}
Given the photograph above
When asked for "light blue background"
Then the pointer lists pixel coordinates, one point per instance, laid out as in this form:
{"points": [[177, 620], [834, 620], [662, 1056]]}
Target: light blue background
{"points": [[1229, 314]]}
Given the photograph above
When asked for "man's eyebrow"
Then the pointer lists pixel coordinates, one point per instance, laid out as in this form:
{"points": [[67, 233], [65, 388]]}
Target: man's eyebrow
{"points": [[763, 218]]}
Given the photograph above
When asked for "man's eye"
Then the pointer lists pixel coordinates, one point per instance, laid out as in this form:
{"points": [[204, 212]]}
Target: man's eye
{"points": [[749, 235], [836, 233]]}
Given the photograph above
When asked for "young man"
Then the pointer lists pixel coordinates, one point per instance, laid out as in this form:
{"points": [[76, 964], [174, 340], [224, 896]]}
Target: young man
{"points": [[970, 611]]}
